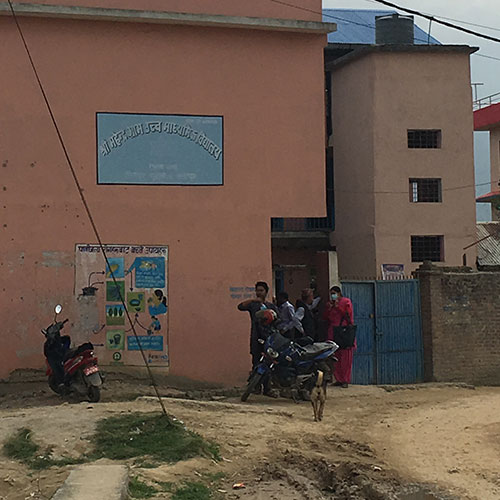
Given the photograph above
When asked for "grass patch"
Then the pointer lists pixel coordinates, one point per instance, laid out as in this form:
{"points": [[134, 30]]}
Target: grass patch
{"points": [[167, 486], [45, 461], [150, 435], [21, 447], [145, 464], [192, 491], [139, 489]]}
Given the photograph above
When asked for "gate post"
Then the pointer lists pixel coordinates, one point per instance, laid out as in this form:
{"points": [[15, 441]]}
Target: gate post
{"points": [[429, 277]]}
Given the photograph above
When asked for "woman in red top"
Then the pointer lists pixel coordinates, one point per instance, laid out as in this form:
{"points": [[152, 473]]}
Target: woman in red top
{"points": [[339, 312]]}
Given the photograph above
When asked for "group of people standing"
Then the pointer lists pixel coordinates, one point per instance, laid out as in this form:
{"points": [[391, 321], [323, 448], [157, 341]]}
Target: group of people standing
{"points": [[310, 316]]}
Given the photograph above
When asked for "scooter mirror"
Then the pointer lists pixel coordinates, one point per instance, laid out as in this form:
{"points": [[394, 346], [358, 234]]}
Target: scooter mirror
{"points": [[58, 309]]}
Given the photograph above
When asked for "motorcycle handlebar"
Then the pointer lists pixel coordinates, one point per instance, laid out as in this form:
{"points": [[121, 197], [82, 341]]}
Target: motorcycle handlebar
{"points": [[65, 321]]}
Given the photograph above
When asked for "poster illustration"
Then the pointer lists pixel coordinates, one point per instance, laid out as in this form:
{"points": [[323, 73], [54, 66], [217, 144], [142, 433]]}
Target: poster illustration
{"points": [[115, 339], [135, 301], [115, 314], [115, 291], [115, 268], [149, 272], [140, 275]]}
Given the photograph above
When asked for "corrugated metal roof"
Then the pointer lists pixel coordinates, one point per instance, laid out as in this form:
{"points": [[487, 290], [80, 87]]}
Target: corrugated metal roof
{"points": [[488, 250], [358, 26]]}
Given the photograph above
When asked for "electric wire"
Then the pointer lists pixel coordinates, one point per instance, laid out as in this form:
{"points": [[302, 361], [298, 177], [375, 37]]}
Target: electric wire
{"points": [[337, 18], [87, 208], [455, 188], [455, 20], [486, 56], [349, 21], [439, 21]]}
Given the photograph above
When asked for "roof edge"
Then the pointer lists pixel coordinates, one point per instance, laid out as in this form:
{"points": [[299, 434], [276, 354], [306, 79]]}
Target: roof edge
{"points": [[360, 50], [487, 118], [163, 17], [491, 197]]}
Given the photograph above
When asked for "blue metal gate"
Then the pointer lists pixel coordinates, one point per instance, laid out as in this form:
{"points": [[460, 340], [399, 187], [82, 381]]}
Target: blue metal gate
{"points": [[389, 338]]}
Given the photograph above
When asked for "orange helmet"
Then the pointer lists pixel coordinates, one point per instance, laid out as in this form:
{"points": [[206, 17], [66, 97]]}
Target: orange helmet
{"points": [[266, 316]]}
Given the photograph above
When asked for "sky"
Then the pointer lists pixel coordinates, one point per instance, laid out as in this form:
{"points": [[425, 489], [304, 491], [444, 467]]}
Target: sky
{"points": [[483, 69]]}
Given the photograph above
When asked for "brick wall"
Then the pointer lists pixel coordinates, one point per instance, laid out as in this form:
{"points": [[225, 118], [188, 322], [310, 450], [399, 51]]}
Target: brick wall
{"points": [[460, 324]]}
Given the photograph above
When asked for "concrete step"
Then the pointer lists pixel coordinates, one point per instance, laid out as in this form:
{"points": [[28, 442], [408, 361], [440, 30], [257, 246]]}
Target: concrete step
{"points": [[93, 482]]}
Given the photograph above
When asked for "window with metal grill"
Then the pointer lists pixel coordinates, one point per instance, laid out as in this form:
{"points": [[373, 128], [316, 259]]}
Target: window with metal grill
{"points": [[427, 248], [425, 190], [425, 139]]}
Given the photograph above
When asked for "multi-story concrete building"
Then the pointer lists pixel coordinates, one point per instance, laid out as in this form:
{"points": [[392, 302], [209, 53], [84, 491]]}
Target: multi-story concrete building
{"points": [[400, 172]]}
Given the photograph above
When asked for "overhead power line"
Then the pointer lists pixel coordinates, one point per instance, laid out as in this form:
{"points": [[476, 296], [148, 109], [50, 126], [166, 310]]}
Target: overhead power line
{"points": [[336, 18], [439, 21], [487, 57], [85, 205], [455, 20], [430, 17], [454, 188]]}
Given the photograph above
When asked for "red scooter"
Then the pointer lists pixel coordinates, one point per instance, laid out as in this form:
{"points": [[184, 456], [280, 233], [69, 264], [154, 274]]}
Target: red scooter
{"points": [[70, 370]]}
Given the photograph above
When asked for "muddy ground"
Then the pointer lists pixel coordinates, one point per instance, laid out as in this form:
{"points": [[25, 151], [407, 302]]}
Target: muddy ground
{"points": [[421, 442]]}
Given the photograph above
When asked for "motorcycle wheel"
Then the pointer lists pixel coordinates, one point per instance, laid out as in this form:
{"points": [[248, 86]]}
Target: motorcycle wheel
{"points": [[94, 394], [253, 383], [53, 384]]}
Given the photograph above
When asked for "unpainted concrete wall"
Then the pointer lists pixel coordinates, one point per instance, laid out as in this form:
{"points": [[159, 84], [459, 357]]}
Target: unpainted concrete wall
{"points": [[461, 325]]}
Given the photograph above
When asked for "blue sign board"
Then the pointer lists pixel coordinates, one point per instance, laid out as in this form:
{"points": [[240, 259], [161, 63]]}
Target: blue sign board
{"points": [[148, 343], [159, 149], [149, 272]]}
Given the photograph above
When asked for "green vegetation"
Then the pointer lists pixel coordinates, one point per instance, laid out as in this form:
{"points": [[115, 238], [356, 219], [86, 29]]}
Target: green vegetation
{"points": [[151, 435], [21, 447], [139, 489], [45, 461], [167, 486], [149, 438], [192, 491]]}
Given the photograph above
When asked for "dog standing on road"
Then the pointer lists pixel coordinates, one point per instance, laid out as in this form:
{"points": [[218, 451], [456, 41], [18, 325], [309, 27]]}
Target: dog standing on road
{"points": [[318, 396]]}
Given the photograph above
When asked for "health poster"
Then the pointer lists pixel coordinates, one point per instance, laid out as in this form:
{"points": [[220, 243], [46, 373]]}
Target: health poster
{"points": [[130, 291]]}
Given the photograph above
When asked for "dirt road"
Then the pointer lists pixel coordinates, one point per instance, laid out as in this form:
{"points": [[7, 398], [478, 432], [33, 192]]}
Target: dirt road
{"points": [[372, 443]]}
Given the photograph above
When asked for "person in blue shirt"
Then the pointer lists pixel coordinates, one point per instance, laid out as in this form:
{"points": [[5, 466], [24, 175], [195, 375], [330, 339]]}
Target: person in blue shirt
{"points": [[157, 304]]}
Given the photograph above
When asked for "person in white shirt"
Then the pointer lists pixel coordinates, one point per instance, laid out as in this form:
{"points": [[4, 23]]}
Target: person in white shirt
{"points": [[290, 325]]}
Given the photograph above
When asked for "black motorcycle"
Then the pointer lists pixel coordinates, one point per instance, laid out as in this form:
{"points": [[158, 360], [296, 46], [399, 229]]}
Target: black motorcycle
{"points": [[291, 364]]}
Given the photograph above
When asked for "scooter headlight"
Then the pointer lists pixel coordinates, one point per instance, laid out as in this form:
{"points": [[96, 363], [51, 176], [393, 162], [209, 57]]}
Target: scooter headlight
{"points": [[272, 353]]}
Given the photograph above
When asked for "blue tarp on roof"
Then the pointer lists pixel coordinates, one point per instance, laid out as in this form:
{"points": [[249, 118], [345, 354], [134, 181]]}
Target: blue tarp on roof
{"points": [[358, 26]]}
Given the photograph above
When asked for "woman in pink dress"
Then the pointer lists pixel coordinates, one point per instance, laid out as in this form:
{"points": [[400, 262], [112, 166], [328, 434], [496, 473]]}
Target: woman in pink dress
{"points": [[339, 312]]}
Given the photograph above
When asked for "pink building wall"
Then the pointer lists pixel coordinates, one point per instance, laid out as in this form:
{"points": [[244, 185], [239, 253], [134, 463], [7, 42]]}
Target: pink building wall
{"points": [[269, 88]]}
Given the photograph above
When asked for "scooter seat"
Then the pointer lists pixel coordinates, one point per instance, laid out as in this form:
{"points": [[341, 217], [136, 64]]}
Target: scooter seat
{"points": [[313, 350], [69, 354]]}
